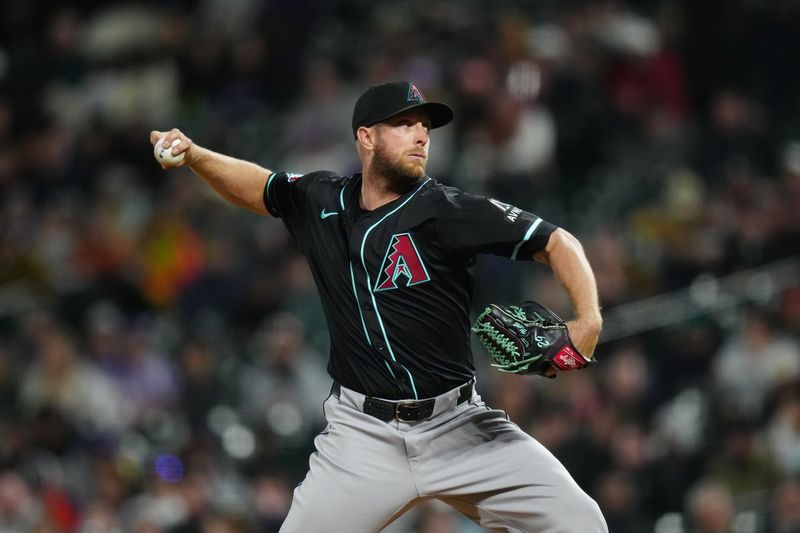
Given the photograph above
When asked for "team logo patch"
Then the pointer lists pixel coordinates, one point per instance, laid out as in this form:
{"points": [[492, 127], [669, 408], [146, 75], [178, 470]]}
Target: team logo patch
{"points": [[414, 94], [292, 177], [510, 211], [402, 265]]}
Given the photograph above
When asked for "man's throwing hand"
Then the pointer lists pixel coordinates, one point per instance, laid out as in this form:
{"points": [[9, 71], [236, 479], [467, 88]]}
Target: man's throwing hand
{"points": [[170, 148]]}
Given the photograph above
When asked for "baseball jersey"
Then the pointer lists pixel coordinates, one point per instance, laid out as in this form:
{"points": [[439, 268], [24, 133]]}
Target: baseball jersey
{"points": [[396, 283]]}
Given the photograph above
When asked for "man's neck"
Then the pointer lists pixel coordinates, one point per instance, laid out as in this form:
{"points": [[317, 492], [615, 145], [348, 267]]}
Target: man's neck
{"points": [[374, 192]]}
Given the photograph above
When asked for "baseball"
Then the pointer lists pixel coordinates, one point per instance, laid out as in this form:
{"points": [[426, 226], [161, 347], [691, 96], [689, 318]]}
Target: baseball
{"points": [[164, 155]]}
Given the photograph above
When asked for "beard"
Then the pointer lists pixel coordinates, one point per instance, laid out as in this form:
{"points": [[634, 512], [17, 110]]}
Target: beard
{"points": [[399, 174]]}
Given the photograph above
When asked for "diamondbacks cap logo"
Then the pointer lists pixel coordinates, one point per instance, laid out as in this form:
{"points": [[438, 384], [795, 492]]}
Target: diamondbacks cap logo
{"points": [[414, 94], [402, 263]]}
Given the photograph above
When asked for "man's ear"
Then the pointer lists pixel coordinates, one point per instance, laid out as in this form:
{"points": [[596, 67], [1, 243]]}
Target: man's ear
{"points": [[366, 137]]}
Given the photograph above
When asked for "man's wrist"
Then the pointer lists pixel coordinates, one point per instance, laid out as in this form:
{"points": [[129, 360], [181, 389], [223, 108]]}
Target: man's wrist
{"points": [[194, 155]]}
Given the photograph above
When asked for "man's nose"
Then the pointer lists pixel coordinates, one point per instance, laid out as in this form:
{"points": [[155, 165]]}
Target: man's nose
{"points": [[422, 134]]}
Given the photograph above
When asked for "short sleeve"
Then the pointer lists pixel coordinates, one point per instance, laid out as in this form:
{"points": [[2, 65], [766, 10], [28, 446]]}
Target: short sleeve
{"points": [[469, 224], [284, 194]]}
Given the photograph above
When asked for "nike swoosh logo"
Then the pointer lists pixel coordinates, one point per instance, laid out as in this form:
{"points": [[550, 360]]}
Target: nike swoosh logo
{"points": [[326, 215]]}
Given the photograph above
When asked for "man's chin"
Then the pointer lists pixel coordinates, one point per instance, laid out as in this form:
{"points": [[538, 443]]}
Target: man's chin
{"points": [[399, 175], [403, 182], [415, 170]]}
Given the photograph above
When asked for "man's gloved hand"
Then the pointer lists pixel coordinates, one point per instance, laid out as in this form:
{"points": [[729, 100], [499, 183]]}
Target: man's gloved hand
{"points": [[528, 339]]}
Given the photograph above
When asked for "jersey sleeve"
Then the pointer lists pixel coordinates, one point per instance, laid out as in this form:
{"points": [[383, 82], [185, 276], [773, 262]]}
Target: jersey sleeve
{"points": [[469, 224], [284, 194], [287, 196]]}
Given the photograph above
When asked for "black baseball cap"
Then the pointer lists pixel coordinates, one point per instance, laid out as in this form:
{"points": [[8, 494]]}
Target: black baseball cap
{"points": [[385, 100]]}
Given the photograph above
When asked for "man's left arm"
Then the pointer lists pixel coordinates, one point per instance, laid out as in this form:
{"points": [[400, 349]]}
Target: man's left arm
{"points": [[565, 256]]}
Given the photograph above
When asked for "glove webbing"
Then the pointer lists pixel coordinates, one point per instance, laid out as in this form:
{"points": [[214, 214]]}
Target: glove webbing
{"points": [[501, 346]]}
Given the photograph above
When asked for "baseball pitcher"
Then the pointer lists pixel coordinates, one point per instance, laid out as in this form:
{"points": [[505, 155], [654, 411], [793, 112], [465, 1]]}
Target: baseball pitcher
{"points": [[393, 252]]}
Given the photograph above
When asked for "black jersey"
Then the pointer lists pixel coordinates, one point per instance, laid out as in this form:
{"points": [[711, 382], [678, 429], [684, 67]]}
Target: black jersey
{"points": [[396, 283]]}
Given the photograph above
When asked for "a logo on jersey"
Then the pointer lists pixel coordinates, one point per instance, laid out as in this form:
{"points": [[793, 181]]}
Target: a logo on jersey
{"points": [[291, 177], [510, 211], [414, 94], [402, 265]]}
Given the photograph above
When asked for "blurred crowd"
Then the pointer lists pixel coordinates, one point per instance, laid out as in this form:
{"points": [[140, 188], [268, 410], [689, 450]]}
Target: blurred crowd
{"points": [[162, 354]]}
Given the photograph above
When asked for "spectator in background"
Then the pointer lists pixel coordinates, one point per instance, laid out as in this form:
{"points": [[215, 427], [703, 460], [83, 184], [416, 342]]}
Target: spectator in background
{"points": [[201, 387], [513, 151], [741, 463], [790, 311], [783, 431], [628, 382], [785, 512], [315, 133], [302, 300], [618, 495], [656, 129], [62, 379], [737, 139], [100, 518], [272, 496], [156, 508], [126, 354], [755, 360], [282, 390], [709, 508], [515, 397], [20, 509]]}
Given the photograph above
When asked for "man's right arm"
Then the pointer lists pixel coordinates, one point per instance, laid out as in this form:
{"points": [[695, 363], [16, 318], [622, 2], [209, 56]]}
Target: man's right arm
{"points": [[240, 182]]}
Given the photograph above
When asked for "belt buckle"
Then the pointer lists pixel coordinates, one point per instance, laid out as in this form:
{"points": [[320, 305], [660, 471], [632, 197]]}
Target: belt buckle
{"points": [[413, 405]]}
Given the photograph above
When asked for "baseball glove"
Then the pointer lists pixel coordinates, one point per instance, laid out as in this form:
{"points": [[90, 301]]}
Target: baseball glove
{"points": [[527, 339]]}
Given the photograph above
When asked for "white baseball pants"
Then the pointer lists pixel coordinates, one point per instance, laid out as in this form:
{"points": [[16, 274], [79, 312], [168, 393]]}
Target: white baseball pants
{"points": [[366, 472]]}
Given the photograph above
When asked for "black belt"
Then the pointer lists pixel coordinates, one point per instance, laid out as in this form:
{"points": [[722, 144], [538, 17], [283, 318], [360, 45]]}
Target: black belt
{"points": [[405, 410]]}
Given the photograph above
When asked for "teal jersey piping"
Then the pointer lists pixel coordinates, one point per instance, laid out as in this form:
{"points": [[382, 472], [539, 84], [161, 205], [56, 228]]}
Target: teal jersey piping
{"points": [[341, 194], [413, 387], [363, 322], [355, 294], [353, 280], [369, 282], [528, 235]]}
